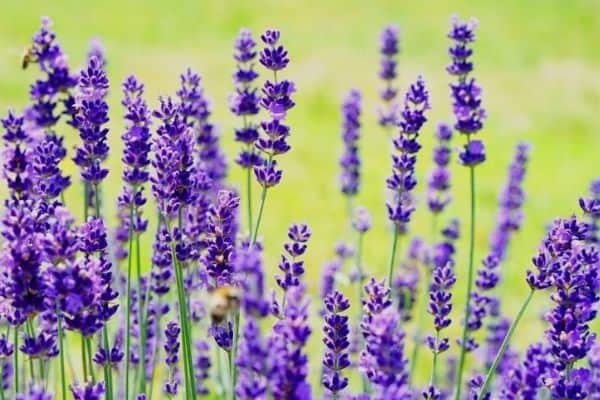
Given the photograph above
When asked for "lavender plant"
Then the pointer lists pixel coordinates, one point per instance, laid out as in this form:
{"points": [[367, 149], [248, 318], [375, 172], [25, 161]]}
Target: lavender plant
{"points": [[199, 322]]}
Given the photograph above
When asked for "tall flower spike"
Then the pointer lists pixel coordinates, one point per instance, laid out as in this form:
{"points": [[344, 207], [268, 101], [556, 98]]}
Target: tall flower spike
{"points": [[336, 332], [276, 100], [402, 180], [222, 230], [91, 117], [16, 157], [46, 93], [289, 264], [87, 391], [171, 348], [251, 363], [438, 182], [508, 219], [466, 94], [244, 102], [349, 162], [388, 47]]}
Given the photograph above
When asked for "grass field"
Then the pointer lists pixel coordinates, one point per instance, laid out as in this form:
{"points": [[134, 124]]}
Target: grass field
{"points": [[538, 62]]}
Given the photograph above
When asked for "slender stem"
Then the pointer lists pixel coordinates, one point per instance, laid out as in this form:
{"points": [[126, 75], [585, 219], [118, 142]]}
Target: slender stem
{"points": [[61, 348], [393, 257], [263, 197], [463, 348], [16, 356], [435, 358], [84, 359], [128, 319], [504, 345], [187, 358], [88, 344], [420, 320], [219, 377], [249, 197], [236, 337], [358, 289], [141, 319], [2, 385], [31, 333], [107, 365]]}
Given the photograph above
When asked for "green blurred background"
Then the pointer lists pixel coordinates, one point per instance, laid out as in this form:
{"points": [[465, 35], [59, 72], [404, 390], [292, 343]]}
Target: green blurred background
{"points": [[538, 62]]}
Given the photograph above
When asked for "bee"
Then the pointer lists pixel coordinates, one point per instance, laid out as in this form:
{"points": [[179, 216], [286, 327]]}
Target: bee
{"points": [[222, 302], [27, 57]]}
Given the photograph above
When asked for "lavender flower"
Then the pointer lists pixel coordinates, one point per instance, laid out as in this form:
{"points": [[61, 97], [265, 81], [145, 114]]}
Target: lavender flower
{"points": [[336, 333], [171, 348], [244, 102], [248, 263], [349, 162], [202, 366], [276, 100], [16, 158], [466, 94], [195, 109], [402, 180], [388, 43], [173, 181], [87, 391], [383, 360], [34, 392], [222, 228], [92, 115], [438, 182], [289, 264], [288, 363], [251, 363], [509, 219]]}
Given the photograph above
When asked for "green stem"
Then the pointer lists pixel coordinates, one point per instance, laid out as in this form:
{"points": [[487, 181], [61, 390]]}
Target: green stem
{"points": [[187, 354], [435, 358], [504, 345], [463, 348], [84, 360], [358, 289], [16, 356], [142, 323], [249, 197], [263, 197], [393, 257], [128, 319], [107, 366], [30, 332], [61, 348], [236, 336], [88, 344], [420, 321]]}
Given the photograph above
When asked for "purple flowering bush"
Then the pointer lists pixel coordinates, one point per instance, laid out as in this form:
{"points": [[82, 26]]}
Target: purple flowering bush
{"points": [[86, 313]]}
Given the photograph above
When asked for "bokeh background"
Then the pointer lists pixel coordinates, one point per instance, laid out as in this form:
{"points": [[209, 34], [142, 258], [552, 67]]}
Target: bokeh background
{"points": [[538, 62]]}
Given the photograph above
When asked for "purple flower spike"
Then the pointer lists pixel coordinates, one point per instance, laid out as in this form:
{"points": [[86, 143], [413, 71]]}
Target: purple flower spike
{"points": [[34, 392], [221, 230], [171, 347], [362, 220], [290, 265], [438, 182], [90, 119], [244, 102], [402, 180], [388, 43], [349, 162], [276, 100], [87, 391], [465, 93], [252, 364], [336, 341]]}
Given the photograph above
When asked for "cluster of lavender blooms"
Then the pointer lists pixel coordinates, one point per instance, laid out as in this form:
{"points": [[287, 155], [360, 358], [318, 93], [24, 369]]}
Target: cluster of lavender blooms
{"points": [[86, 316]]}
